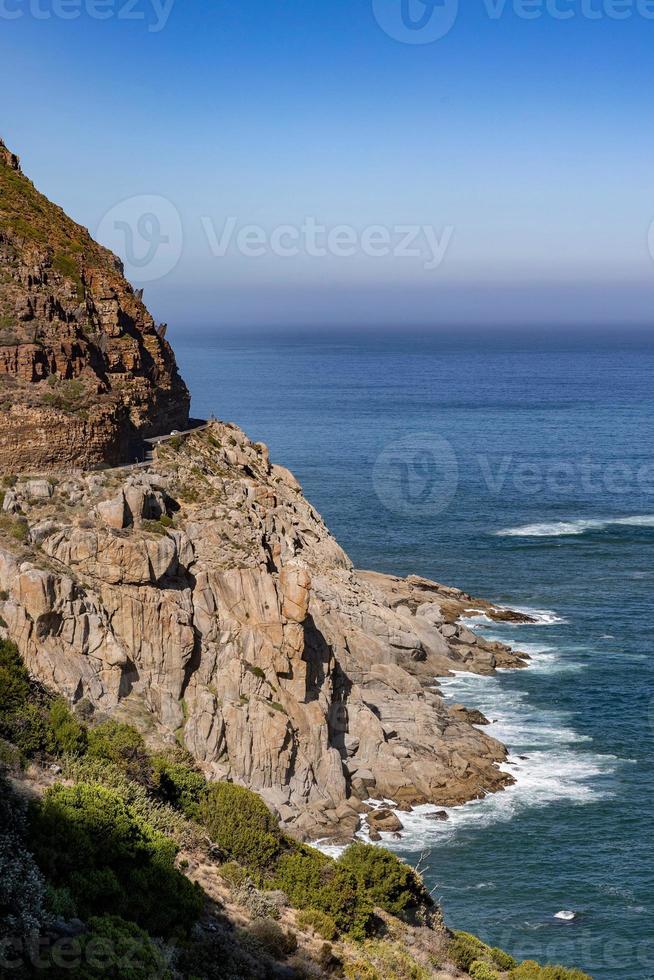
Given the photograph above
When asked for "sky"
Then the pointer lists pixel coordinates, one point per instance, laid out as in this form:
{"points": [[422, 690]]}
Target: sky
{"points": [[353, 162]]}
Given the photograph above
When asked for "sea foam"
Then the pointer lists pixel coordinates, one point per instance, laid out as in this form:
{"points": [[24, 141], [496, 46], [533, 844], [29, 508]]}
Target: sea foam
{"points": [[558, 529], [548, 758]]}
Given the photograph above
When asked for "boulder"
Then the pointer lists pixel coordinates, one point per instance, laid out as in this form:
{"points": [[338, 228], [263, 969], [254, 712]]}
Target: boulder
{"points": [[384, 819]]}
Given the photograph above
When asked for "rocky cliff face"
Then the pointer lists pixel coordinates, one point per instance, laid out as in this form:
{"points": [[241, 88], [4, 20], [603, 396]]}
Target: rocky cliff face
{"points": [[204, 594], [85, 373]]}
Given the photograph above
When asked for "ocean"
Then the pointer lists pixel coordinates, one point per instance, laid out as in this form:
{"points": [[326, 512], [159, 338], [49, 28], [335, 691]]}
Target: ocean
{"points": [[521, 471]]}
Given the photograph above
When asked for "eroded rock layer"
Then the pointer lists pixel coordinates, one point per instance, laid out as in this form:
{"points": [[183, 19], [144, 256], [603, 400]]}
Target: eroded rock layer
{"points": [[205, 591], [85, 373]]}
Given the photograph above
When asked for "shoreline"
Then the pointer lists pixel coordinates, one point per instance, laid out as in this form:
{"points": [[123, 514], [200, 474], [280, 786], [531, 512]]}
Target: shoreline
{"points": [[556, 767]]}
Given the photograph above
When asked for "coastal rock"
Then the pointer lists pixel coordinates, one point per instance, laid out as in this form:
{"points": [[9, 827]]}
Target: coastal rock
{"points": [[199, 591], [84, 374], [384, 820], [471, 715], [242, 628]]}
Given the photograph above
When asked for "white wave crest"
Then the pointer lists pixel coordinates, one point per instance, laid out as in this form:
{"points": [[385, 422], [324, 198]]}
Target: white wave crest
{"points": [[558, 529]]}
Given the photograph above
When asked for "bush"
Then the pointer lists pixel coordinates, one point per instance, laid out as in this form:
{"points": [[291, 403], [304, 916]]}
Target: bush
{"points": [[143, 805], [88, 840], [312, 880], [22, 887], [242, 826], [28, 728], [16, 527], [480, 970], [380, 959], [69, 737], [10, 756], [60, 903], [118, 950], [14, 679], [234, 874], [273, 939], [224, 956], [179, 785], [530, 970], [124, 746], [389, 882], [466, 948], [502, 959], [320, 922]]}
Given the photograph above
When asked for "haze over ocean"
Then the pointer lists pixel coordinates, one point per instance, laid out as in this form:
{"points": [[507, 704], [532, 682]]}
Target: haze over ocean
{"points": [[541, 496]]}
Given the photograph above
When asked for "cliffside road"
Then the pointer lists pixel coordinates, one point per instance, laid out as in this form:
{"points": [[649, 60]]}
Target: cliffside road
{"points": [[156, 441]]}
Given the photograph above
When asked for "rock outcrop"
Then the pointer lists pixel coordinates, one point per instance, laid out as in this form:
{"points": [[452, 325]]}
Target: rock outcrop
{"points": [[205, 591], [202, 592], [85, 374]]}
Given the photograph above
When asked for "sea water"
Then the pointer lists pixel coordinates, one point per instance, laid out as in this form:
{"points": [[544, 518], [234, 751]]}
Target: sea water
{"points": [[522, 472]]}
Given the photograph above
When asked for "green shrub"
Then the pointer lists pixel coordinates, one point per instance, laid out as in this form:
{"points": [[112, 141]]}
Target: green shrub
{"points": [[530, 970], [16, 527], [179, 784], [242, 826], [69, 737], [389, 882], [226, 955], [159, 815], [124, 746], [14, 679], [22, 887], [382, 958], [88, 840], [320, 922], [118, 950], [60, 902], [312, 880], [466, 948], [10, 755], [28, 728], [234, 874], [480, 970], [502, 959], [277, 942]]}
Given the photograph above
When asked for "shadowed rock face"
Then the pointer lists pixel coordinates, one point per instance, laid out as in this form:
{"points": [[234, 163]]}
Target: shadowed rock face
{"points": [[206, 593], [85, 374]]}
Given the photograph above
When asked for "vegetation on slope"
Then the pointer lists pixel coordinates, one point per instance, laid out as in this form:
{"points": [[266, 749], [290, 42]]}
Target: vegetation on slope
{"points": [[95, 864]]}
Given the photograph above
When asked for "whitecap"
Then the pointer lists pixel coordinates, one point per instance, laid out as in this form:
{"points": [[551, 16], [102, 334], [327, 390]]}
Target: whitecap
{"points": [[538, 617], [557, 529], [565, 915]]}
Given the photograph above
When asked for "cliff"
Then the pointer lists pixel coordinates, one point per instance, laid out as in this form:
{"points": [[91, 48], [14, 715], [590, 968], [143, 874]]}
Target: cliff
{"points": [[85, 373], [204, 594]]}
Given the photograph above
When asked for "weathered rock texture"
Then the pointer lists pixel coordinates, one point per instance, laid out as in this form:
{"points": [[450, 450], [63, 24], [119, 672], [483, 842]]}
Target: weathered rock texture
{"points": [[85, 373], [206, 589]]}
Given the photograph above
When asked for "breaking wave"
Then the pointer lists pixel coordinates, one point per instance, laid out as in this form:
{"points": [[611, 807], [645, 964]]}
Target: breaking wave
{"points": [[559, 529]]}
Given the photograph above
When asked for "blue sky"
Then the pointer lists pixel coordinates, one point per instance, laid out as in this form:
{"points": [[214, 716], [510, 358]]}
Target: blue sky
{"points": [[523, 145]]}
